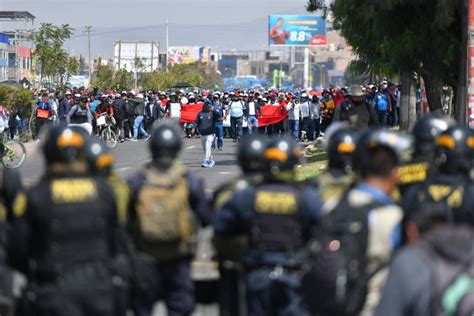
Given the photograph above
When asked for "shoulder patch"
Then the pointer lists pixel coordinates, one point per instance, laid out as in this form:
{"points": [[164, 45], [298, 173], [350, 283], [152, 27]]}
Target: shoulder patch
{"points": [[19, 204]]}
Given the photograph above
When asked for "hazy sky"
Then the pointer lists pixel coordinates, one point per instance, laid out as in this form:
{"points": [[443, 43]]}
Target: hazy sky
{"points": [[221, 24]]}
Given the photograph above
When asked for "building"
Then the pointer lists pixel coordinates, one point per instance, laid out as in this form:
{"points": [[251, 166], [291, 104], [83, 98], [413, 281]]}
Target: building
{"points": [[18, 57], [3, 57], [139, 56]]}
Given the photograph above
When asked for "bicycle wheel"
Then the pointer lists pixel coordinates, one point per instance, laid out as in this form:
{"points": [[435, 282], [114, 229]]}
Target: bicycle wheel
{"points": [[109, 138], [15, 154]]}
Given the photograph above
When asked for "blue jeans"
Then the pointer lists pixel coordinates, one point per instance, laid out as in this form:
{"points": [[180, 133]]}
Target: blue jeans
{"points": [[138, 126], [294, 128], [382, 114], [252, 120], [219, 135]]}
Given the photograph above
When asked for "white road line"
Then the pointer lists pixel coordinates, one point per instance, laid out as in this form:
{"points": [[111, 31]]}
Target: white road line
{"points": [[225, 172], [190, 147]]}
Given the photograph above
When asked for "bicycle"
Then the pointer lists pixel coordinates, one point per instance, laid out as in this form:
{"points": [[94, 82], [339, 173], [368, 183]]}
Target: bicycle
{"points": [[14, 154], [107, 135]]}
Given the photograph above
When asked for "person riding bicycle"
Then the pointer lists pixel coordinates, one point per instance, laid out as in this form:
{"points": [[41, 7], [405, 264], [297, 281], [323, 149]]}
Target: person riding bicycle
{"points": [[80, 115]]}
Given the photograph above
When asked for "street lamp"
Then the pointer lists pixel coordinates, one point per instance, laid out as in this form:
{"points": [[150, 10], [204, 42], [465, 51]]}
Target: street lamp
{"points": [[233, 71], [295, 70], [320, 74]]}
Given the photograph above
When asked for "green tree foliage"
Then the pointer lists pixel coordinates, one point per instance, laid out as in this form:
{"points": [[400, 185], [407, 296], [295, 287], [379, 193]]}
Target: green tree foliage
{"points": [[394, 36], [123, 80], [16, 98], [53, 58], [195, 74], [104, 78]]}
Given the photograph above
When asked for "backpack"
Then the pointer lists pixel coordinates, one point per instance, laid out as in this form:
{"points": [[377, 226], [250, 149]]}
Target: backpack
{"points": [[453, 280], [335, 277], [164, 215]]}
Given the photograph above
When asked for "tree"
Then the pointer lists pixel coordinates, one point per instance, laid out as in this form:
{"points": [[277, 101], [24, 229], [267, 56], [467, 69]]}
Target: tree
{"points": [[53, 58], [104, 78], [404, 36], [195, 74], [123, 80]]}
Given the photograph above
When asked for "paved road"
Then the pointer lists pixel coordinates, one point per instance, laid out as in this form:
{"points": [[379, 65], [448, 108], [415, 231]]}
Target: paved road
{"points": [[129, 157]]}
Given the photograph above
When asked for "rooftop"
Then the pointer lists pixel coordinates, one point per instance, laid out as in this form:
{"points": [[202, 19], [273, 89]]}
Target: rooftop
{"points": [[9, 15]]}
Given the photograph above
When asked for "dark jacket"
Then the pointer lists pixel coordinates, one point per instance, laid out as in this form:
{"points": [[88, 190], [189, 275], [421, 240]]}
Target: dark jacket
{"points": [[258, 110], [59, 231], [206, 122], [360, 117], [241, 214], [410, 286]]}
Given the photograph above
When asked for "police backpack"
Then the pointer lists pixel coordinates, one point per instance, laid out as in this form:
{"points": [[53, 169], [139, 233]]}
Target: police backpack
{"points": [[166, 222], [335, 277]]}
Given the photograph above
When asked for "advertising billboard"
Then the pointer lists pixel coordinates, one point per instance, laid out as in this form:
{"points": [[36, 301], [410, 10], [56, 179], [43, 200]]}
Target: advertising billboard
{"points": [[296, 30], [188, 54], [126, 52]]}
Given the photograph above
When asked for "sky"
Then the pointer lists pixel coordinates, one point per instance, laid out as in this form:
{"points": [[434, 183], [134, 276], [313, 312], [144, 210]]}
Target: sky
{"points": [[221, 24]]}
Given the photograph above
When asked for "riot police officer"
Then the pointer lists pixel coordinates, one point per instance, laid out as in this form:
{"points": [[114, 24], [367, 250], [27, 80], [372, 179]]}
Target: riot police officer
{"points": [[12, 201], [276, 216], [449, 185], [100, 161], [166, 200], [67, 235], [340, 149], [425, 132], [250, 158], [250, 155]]}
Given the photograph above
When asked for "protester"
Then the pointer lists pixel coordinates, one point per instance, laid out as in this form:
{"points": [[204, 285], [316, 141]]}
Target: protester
{"points": [[206, 123]]}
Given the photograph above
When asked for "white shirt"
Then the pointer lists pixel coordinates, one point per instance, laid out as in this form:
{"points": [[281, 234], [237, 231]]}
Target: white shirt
{"points": [[251, 108], [175, 110], [305, 110], [314, 107], [293, 111]]}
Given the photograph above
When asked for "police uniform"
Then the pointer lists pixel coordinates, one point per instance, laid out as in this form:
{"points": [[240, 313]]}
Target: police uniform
{"points": [[66, 238], [277, 219], [173, 258], [12, 202]]}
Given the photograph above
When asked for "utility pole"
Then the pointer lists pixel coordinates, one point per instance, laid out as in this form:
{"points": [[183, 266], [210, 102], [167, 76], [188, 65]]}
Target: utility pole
{"points": [[466, 115], [88, 31], [167, 42]]}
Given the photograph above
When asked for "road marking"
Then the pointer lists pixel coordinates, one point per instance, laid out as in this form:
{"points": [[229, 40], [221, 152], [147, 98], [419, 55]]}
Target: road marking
{"points": [[123, 169], [225, 172], [190, 147]]}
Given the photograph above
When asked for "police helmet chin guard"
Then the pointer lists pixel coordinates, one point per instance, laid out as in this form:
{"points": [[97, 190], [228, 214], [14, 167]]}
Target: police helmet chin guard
{"points": [[99, 158], [65, 144], [281, 155], [250, 153], [341, 148], [427, 130], [165, 142], [399, 145], [454, 151]]}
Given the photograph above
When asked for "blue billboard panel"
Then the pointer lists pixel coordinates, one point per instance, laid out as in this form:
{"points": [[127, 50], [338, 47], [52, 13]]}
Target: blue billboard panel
{"points": [[296, 30]]}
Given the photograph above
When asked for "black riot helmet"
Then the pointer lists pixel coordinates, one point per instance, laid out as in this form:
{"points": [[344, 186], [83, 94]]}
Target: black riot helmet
{"points": [[454, 150], [282, 154], [99, 158], [165, 143], [251, 152], [425, 132], [341, 148], [65, 144], [379, 151]]}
